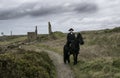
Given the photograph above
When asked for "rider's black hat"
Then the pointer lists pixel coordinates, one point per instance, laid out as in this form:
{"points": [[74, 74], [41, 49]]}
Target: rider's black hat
{"points": [[71, 29]]}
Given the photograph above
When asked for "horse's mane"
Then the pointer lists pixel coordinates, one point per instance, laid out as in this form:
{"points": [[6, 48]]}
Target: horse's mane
{"points": [[80, 38]]}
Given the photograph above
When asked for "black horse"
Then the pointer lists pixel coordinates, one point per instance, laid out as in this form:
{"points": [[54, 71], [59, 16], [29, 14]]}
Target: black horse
{"points": [[73, 48]]}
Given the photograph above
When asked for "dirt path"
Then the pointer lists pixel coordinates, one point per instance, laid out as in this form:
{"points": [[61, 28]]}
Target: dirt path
{"points": [[63, 70]]}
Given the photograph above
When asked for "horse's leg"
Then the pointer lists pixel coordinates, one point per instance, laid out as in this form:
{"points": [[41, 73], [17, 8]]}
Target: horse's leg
{"points": [[64, 52], [74, 58], [68, 58], [77, 56], [64, 58]]}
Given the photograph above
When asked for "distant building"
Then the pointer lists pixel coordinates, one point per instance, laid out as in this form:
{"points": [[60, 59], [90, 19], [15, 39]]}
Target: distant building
{"points": [[32, 35]]}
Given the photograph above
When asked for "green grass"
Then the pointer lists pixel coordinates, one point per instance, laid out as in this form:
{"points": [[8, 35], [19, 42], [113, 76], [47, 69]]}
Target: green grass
{"points": [[99, 56], [53, 36], [54, 42], [12, 40], [48, 47], [117, 29], [98, 68], [26, 64]]}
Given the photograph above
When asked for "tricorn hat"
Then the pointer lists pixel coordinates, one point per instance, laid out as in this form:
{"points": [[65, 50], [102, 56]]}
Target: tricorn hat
{"points": [[71, 29]]}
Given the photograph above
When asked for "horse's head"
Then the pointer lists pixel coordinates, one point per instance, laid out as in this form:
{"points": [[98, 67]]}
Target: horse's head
{"points": [[80, 39]]}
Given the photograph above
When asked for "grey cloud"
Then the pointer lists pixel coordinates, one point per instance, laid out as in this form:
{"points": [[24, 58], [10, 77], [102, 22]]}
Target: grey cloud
{"points": [[36, 9], [42, 11], [10, 14], [86, 8]]}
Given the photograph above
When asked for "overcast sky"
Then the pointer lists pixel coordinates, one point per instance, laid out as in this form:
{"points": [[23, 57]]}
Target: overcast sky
{"points": [[21, 16]]}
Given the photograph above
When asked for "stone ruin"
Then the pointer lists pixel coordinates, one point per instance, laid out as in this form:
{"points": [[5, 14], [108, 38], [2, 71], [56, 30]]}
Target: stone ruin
{"points": [[32, 35], [49, 28]]}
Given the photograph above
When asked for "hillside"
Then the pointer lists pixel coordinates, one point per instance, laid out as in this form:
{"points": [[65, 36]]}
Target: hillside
{"points": [[5, 40], [99, 56]]}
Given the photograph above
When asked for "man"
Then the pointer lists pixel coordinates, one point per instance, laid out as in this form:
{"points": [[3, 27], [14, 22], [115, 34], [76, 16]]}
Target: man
{"points": [[70, 36]]}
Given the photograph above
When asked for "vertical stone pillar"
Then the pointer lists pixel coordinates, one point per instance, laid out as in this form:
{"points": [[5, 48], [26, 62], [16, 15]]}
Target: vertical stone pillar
{"points": [[11, 33], [36, 32], [49, 28]]}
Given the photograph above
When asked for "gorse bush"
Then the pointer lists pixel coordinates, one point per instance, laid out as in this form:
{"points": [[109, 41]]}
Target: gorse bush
{"points": [[24, 64]]}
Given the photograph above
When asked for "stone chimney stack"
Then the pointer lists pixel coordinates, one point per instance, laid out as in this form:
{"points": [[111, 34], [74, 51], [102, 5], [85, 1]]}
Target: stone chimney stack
{"points": [[36, 32], [49, 28], [11, 33]]}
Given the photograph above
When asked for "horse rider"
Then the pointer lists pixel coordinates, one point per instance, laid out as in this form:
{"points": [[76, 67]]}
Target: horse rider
{"points": [[70, 36]]}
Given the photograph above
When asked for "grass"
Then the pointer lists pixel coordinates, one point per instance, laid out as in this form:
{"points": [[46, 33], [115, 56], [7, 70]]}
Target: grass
{"points": [[98, 68], [26, 64], [12, 40], [54, 45], [53, 42], [99, 56], [53, 36]]}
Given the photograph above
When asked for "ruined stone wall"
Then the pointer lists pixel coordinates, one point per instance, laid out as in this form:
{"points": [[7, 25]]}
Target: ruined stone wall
{"points": [[31, 36]]}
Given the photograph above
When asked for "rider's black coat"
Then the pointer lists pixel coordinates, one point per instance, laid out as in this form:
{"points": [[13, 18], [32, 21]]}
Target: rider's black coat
{"points": [[70, 38]]}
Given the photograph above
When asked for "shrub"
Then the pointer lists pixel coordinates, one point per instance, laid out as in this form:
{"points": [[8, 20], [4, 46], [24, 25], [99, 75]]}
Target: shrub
{"points": [[26, 65]]}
